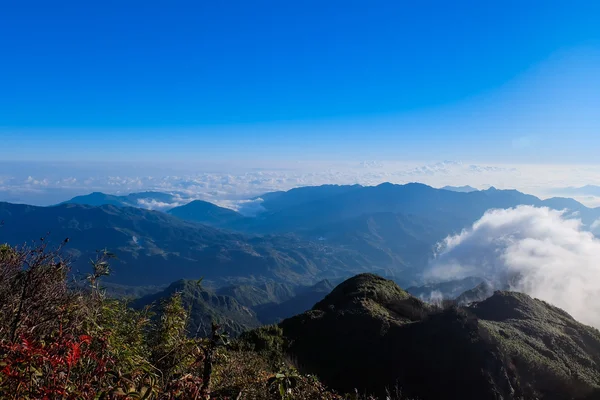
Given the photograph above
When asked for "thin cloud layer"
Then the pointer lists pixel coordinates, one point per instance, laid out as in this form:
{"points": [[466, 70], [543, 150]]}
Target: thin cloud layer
{"points": [[537, 251]]}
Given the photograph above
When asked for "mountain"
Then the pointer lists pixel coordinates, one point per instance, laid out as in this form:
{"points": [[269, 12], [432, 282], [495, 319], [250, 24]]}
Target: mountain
{"points": [[587, 190], [275, 312], [370, 334], [126, 292], [414, 199], [99, 199], [275, 201], [275, 301], [204, 307], [463, 291], [207, 213], [375, 219], [258, 294], [454, 210], [462, 189], [444, 290], [479, 293], [587, 215], [402, 244], [154, 248], [148, 200]]}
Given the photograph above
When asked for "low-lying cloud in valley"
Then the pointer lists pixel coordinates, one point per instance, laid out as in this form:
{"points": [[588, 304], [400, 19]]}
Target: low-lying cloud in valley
{"points": [[152, 204], [538, 251], [248, 208]]}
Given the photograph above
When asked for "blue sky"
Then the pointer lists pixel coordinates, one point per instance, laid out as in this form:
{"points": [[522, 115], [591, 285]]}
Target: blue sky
{"points": [[509, 81]]}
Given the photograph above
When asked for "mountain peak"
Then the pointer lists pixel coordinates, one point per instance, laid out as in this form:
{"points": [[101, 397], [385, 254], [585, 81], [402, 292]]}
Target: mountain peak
{"points": [[206, 213], [363, 287]]}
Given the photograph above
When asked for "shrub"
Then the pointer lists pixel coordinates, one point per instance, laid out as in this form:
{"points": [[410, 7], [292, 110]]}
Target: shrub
{"points": [[63, 340]]}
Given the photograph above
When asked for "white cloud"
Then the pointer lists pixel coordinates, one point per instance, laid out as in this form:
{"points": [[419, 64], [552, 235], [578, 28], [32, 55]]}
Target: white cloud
{"points": [[537, 251], [32, 181], [152, 204], [595, 227], [247, 208], [434, 297]]}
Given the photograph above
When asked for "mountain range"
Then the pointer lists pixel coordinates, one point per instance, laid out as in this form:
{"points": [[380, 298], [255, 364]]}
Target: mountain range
{"points": [[303, 236], [154, 248], [454, 209], [304, 209]]}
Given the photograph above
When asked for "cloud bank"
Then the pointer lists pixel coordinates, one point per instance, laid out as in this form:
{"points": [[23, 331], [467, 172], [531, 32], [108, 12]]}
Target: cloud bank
{"points": [[536, 251]]}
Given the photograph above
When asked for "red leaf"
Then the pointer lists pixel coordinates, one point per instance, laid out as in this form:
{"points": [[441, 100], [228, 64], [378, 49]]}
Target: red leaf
{"points": [[74, 354], [85, 339]]}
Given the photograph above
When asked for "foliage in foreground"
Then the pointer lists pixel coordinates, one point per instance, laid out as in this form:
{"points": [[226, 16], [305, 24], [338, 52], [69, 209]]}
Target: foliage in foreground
{"points": [[59, 341]]}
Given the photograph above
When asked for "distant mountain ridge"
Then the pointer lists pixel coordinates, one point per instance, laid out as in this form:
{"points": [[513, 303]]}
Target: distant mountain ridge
{"points": [[313, 206], [462, 189], [455, 208], [589, 190]]}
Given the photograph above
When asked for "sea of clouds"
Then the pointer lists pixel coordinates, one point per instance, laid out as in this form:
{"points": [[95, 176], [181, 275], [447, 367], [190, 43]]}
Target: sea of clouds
{"points": [[238, 186]]}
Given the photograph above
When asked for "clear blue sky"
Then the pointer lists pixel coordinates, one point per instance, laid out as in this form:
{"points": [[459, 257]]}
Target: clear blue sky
{"points": [[115, 80]]}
